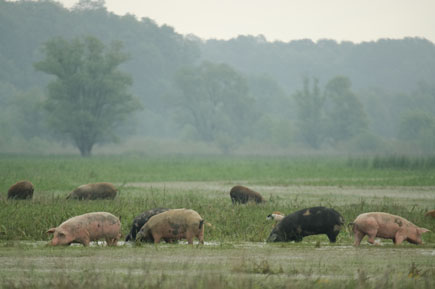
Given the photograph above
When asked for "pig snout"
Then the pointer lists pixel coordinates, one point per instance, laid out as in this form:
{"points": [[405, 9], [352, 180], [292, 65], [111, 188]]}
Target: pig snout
{"points": [[59, 237], [58, 241], [415, 240], [55, 241]]}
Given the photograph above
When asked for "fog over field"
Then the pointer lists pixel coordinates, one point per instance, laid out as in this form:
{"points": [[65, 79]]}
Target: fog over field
{"points": [[166, 92]]}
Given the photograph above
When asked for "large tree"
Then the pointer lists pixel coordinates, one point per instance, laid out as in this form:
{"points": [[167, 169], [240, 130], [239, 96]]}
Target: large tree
{"points": [[89, 96]]}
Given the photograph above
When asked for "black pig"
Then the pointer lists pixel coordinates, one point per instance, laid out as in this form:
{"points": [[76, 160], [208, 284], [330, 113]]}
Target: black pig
{"points": [[306, 222], [140, 220]]}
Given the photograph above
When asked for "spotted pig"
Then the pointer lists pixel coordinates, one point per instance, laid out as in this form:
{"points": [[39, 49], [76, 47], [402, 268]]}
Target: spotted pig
{"points": [[86, 228], [387, 226], [306, 222], [173, 225]]}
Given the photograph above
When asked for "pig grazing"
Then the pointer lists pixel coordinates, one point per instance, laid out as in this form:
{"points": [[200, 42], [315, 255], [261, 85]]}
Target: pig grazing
{"points": [[387, 226], [94, 192], [86, 228], [173, 225], [306, 222], [430, 214], [140, 220], [242, 195], [21, 191]]}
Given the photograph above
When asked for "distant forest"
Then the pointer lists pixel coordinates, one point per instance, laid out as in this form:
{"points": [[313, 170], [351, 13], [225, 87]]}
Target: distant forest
{"points": [[244, 95]]}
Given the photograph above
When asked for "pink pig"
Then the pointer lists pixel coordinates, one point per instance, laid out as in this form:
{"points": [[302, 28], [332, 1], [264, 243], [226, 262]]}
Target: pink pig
{"points": [[384, 225], [87, 227]]}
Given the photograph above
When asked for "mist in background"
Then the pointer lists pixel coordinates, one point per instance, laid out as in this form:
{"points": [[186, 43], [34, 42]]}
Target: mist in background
{"points": [[244, 95]]}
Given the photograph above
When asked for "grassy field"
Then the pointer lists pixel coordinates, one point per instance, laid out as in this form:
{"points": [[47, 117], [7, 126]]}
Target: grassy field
{"points": [[235, 254]]}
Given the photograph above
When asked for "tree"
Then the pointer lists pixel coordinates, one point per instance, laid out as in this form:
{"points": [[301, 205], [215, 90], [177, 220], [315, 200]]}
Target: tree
{"points": [[310, 113], [214, 100], [344, 112], [89, 96]]}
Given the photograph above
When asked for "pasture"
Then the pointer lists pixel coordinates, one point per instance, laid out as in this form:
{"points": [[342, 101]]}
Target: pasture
{"points": [[235, 254]]}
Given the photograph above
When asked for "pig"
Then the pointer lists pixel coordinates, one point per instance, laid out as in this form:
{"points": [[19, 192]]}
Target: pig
{"points": [[306, 222], [94, 192], [387, 226], [242, 195], [172, 225], [430, 214], [21, 190], [140, 220], [86, 228]]}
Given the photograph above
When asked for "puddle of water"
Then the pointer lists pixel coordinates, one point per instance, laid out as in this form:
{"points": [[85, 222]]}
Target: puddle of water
{"points": [[428, 252], [36, 244]]}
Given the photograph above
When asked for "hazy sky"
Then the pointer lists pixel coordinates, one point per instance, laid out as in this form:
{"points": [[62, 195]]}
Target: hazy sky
{"points": [[285, 20]]}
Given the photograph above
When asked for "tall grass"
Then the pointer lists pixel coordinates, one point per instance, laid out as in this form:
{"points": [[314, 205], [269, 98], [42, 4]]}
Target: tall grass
{"points": [[29, 220]]}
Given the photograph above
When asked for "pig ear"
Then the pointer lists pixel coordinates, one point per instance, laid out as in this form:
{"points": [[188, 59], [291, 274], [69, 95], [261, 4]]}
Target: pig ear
{"points": [[51, 231], [424, 230]]}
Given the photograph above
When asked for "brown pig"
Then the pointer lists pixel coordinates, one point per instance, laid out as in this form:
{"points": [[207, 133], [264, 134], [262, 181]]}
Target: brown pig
{"points": [[243, 195], [387, 226], [21, 190], [86, 228], [173, 225], [94, 192]]}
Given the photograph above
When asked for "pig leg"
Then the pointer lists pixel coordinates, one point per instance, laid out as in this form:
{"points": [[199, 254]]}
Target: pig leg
{"points": [[372, 236], [398, 239], [189, 237], [85, 242], [358, 236], [156, 238], [111, 241], [201, 237], [332, 236]]}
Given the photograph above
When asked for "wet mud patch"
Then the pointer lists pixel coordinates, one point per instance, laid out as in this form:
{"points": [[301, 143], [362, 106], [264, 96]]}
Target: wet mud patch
{"points": [[254, 260]]}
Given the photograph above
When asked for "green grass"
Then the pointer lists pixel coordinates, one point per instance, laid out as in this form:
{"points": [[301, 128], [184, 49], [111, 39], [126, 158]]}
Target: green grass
{"points": [[60, 173], [235, 255], [393, 161]]}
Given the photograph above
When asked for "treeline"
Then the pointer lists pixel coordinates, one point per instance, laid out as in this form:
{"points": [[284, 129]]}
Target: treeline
{"points": [[242, 94]]}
